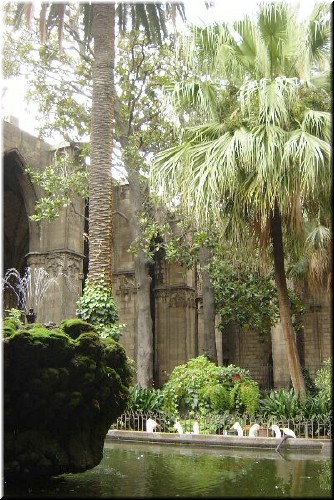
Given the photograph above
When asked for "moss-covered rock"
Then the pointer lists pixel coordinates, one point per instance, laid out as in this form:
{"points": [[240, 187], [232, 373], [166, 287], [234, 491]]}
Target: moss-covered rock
{"points": [[63, 388], [75, 327]]}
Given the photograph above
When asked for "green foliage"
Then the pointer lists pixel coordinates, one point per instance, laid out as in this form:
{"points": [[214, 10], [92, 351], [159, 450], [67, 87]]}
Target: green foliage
{"points": [[8, 328], [280, 403], [244, 397], [218, 397], [243, 296], [15, 316], [200, 385], [145, 399], [97, 306], [66, 176], [182, 391], [323, 380], [297, 309], [284, 404], [184, 246], [150, 239], [231, 373]]}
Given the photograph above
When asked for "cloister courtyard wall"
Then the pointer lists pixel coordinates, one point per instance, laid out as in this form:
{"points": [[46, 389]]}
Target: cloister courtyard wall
{"points": [[59, 248]]}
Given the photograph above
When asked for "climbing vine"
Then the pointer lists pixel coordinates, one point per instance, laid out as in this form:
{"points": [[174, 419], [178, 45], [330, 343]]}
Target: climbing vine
{"points": [[97, 306]]}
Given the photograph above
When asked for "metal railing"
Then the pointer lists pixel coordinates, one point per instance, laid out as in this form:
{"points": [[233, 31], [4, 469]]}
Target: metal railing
{"points": [[316, 428]]}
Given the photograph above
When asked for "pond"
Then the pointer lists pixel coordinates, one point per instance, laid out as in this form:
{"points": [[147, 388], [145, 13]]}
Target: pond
{"points": [[153, 470]]}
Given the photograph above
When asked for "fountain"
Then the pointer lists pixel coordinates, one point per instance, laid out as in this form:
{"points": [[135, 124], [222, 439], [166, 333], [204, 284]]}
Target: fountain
{"points": [[26, 292]]}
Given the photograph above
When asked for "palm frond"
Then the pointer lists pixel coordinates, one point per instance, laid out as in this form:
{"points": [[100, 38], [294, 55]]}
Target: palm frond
{"points": [[274, 22], [269, 142], [190, 94], [323, 81], [312, 155], [250, 50], [318, 123], [56, 17], [319, 32]]}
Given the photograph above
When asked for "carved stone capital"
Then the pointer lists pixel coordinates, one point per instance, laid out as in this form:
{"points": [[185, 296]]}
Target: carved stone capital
{"points": [[125, 284]]}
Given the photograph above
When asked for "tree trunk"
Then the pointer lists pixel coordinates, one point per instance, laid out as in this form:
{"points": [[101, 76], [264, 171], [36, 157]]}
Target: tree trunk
{"points": [[102, 132], [209, 310], [144, 323], [284, 306]]}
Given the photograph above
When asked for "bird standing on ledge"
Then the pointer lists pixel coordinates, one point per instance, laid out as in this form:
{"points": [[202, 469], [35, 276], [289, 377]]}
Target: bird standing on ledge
{"points": [[236, 426], [276, 430], [253, 431], [151, 425], [178, 428], [195, 428], [287, 433]]}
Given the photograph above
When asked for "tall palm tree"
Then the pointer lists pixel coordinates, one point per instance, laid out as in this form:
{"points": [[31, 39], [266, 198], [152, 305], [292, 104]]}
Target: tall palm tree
{"points": [[99, 24], [259, 155], [99, 21], [153, 17]]}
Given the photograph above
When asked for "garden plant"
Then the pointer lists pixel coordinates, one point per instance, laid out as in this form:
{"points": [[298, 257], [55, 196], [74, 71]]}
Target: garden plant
{"points": [[217, 396]]}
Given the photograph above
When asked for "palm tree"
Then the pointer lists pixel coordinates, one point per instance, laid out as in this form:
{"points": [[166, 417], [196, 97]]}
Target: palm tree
{"points": [[101, 143], [259, 155], [153, 17], [99, 24]]}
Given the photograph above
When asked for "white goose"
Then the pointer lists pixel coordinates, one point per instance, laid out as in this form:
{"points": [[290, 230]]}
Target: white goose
{"points": [[178, 427], [195, 428], [151, 425], [236, 426], [254, 430], [276, 430], [287, 433]]}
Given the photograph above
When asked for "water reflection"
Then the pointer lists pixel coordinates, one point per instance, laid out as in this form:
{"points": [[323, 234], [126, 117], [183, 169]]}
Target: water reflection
{"points": [[152, 470]]}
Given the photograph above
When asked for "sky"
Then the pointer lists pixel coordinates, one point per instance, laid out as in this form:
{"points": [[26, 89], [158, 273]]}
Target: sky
{"points": [[13, 96]]}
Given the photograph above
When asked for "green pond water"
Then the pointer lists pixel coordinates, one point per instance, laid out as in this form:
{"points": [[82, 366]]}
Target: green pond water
{"points": [[154, 470]]}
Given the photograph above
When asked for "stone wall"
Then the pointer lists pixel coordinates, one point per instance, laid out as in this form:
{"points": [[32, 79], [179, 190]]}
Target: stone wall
{"points": [[58, 247], [317, 321]]}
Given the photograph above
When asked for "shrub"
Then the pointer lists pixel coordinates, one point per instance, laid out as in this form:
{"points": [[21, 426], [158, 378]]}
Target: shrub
{"points": [[323, 380], [183, 390], [280, 403], [230, 374], [218, 397], [200, 385], [145, 399], [244, 397], [317, 403]]}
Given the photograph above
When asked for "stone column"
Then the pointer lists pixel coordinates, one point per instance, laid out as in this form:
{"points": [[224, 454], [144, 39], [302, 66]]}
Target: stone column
{"points": [[55, 284]]}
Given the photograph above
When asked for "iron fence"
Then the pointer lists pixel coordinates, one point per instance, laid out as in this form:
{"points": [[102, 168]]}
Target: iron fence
{"points": [[319, 427]]}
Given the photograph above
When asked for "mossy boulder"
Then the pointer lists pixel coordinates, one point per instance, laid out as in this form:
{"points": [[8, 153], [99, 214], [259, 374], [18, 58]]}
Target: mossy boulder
{"points": [[75, 327], [63, 388]]}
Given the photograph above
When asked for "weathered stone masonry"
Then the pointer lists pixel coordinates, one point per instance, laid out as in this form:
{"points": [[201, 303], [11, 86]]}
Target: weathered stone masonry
{"points": [[58, 247]]}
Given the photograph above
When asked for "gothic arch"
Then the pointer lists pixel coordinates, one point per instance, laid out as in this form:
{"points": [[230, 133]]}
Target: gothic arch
{"points": [[19, 198]]}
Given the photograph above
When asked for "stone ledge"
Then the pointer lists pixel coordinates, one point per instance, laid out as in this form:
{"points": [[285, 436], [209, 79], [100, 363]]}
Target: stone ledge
{"points": [[318, 446]]}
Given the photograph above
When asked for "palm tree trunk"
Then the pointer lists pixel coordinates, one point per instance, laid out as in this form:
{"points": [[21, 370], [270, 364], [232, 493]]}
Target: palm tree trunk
{"points": [[102, 132], [209, 310], [283, 301]]}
